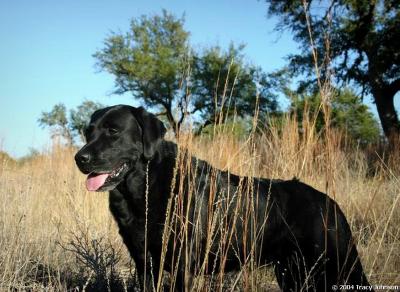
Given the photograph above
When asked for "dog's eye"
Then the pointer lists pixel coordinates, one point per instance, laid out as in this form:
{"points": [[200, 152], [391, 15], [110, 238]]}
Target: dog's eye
{"points": [[112, 131]]}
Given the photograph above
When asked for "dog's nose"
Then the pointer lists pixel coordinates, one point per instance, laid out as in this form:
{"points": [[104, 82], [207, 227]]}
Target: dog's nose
{"points": [[82, 157]]}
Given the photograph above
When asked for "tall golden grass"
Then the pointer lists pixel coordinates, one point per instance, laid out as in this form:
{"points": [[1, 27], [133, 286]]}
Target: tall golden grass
{"points": [[55, 235]]}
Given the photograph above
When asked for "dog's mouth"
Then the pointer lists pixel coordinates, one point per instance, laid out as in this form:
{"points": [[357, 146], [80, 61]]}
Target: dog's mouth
{"points": [[104, 180]]}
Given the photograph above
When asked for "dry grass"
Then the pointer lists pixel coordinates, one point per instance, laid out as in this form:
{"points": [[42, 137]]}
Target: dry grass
{"points": [[56, 235], [43, 207]]}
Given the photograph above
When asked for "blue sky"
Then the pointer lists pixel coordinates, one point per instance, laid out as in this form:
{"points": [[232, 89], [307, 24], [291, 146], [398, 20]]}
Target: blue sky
{"points": [[47, 46]]}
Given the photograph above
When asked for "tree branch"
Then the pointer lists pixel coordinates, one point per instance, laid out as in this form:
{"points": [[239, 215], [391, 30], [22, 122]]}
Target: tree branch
{"points": [[393, 87], [205, 124], [161, 114], [204, 106]]}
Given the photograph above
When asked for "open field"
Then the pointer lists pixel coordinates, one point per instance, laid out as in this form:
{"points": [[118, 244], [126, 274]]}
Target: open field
{"points": [[55, 235]]}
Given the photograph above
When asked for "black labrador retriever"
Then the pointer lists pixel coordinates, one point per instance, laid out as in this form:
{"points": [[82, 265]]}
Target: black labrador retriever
{"points": [[217, 219]]}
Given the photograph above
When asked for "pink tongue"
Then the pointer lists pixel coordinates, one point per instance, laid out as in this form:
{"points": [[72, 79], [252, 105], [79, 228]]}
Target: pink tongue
{"points": [[95, 181]]}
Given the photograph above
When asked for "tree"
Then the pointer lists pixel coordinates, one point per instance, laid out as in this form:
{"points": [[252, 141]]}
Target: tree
{"points": [[155, 63], [80, 116], [361, 39], [150, 62], [69, 128], [347, 114], [56, 119], [224, 85]]}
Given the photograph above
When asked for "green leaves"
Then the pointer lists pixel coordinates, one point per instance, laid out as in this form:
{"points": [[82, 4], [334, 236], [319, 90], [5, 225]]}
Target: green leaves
{"points": [[57, 116], [149, 60], [155, 62], [56, 119], [347, 114], [79, 117], [357, 40], [72, 127]]}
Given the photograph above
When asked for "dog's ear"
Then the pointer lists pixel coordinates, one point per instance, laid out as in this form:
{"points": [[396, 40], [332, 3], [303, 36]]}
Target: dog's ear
{"points": [[153, 131]]}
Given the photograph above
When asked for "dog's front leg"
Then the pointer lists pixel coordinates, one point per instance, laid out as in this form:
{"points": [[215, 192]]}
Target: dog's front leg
{"points": [[133, 234], [147, 270]]}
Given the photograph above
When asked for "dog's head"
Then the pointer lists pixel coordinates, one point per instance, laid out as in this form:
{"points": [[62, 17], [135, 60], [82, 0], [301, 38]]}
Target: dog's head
{"points": [[116, 139]]}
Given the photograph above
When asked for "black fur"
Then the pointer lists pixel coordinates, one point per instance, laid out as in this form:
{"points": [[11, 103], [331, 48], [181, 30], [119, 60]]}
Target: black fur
{"points": [[298, 228]]}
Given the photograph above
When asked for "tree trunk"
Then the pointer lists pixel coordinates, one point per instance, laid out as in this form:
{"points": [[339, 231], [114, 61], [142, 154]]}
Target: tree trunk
{"points": [[387, 112], [175, 126], [201, 128]]}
